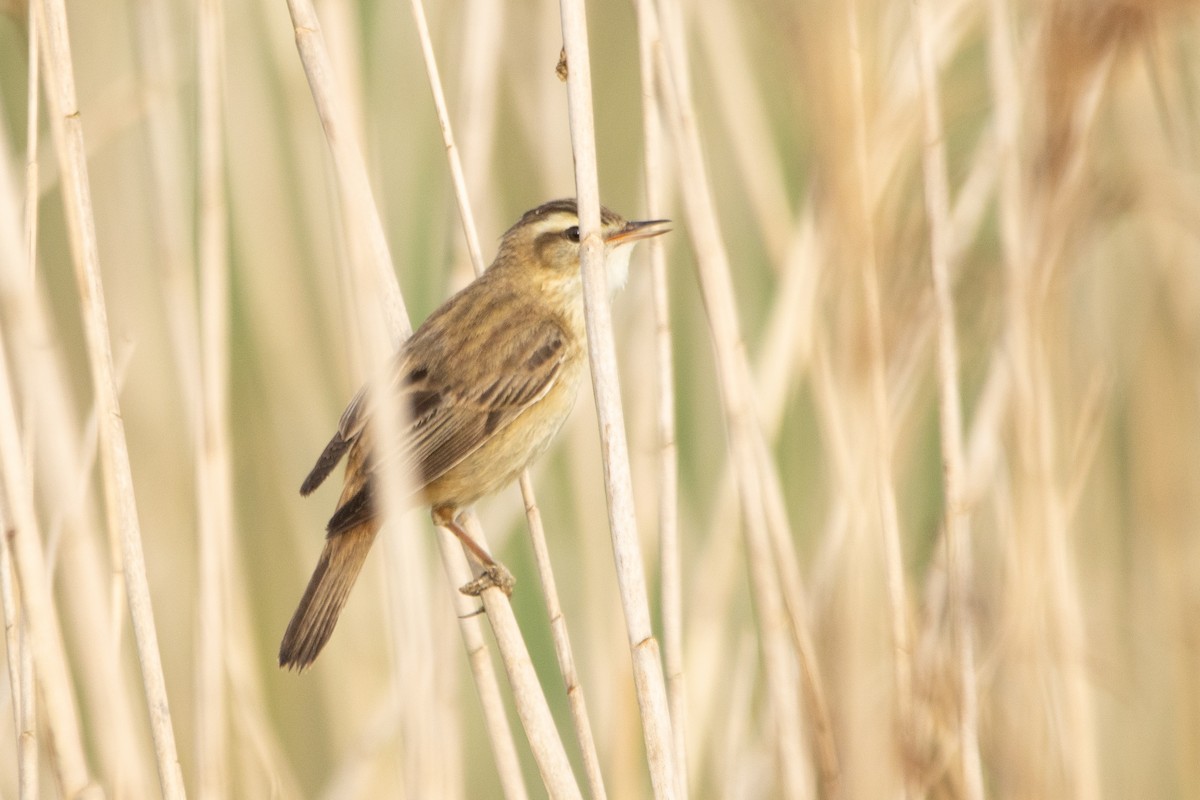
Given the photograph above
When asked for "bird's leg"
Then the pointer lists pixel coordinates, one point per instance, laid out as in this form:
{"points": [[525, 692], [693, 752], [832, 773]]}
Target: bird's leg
{"points": [[493, 572]]}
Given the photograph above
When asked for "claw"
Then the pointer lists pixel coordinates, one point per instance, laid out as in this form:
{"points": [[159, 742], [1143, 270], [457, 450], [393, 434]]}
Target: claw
{"points": [[493, 576]]}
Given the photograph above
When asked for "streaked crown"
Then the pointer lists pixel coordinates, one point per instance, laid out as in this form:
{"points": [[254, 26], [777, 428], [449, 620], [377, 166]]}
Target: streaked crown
{"points": [[548, 237]]}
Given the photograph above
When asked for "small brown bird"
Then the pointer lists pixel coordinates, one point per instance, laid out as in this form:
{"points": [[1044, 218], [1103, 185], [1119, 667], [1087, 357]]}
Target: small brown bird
{"points": [[486, 381]]}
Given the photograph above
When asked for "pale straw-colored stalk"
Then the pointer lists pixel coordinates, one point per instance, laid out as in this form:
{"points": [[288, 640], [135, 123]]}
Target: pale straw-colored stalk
{"points": [[354, 189], [739, 419], [527, 694], [749, 128], [27, 744], [428, 766], [956, 517], [20, 672], [647, 664], [32, 139], [712, 267], [1070, 135], [787, 343], [562, 642], [214, 499], [457, 178], [20, 654], [792, 589], [54, 679], [352, 776], [733, 770], [983, 445], [1033, 234], [508, 765], [233, 658], [558, 627], [118, 481], [61, 467], [837, 433], [885, 489], [359, 210], [670, 558], [479, 92]]}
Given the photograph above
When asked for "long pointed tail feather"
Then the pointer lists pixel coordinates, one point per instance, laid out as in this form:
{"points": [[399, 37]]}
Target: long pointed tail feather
{"points": [[330, 585], [329, 459]]}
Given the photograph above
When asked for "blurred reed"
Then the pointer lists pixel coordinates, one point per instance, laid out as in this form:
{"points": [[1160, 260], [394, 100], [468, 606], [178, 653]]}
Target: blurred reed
{"points": [[911, 396]]}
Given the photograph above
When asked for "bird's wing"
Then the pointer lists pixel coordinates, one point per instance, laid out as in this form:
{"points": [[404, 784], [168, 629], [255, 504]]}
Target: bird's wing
{"points": [[451, 413]]}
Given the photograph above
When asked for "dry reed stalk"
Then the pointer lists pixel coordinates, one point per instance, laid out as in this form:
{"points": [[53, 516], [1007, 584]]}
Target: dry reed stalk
{"points": [[885, 489], [670, 558], [479, 89], [407, 588], [733, 771], [20, 654], [27, 743], [712, 628], [433, 753], [354, 189], [528, 696], [966, 217], [32, 139], [508, 765], [711, 625], [1084, 442], [68, 135], [356, 197], [343, 37], [749, 130], [230, 656], [428, 765], [212, 453], [983, 449], [1090, 217], [835, 430], [558, 627], [62, 721], [1037, 423], [351, 777], [793, 592], [562, 644], [741, 424], [787, 341], [1033, 233], [63, 474], [956, 519], [647, 664], [787, 344], [1079, 746], [457, 177], [790, 586], [20, 673]]}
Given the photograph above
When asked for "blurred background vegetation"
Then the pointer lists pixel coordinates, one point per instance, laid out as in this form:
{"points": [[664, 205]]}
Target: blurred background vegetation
{"points": [[1072, 142]]}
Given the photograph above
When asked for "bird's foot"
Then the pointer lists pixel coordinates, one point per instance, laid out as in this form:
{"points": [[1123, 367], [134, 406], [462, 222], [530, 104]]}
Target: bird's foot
{"points": [[493, 575]]}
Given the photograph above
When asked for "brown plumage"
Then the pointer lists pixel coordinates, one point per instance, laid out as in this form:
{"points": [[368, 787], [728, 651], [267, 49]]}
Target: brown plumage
{"points": [[486, 381]]}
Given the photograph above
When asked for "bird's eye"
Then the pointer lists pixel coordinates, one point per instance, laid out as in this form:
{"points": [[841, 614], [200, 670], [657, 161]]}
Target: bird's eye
{"points": [[572, 233]]}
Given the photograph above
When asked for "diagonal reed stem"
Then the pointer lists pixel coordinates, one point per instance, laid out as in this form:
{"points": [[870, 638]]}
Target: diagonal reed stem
{"points": [[118, 481], [647, 665]]}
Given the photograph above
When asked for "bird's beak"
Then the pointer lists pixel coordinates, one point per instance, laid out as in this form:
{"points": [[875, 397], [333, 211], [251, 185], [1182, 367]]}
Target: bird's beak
{"points": [[635, 231]]}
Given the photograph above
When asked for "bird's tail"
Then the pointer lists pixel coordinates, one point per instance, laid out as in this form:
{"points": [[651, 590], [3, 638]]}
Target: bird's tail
{"points": [[330, 585]]}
